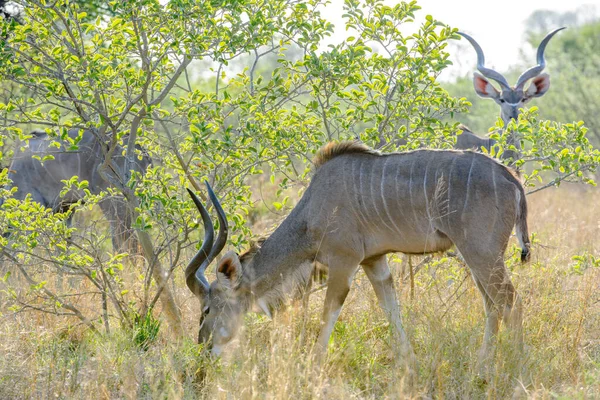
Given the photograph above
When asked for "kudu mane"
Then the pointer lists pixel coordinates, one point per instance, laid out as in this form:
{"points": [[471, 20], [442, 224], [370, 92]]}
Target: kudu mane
{"points": [[252, 250], [333, 150], [38, 133]]}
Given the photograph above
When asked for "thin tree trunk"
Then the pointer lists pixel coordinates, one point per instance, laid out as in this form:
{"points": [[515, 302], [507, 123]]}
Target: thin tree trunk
{"points": [[169, 306], [105, 312]]}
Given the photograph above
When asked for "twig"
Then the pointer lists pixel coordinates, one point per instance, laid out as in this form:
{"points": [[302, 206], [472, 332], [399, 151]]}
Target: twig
{"points": [[412, 278], [558, 180], [457, 297], [425, 261], [48, 293]]}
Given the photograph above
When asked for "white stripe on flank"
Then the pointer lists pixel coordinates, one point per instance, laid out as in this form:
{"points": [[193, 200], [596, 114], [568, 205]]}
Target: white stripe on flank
{"points": [[469, 183], [449, 211], [496, 209], [410, 185], [426, 198], [398, 196], [379, 217], [385, 206], [358, 195], [348, 196]]}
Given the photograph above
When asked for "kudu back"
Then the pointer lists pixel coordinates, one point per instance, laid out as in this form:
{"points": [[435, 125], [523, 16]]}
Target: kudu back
{"points": [[44, 181], [360, 206], [511, 99]]}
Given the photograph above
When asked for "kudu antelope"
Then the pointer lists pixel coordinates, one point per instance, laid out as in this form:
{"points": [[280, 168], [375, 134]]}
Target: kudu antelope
{"points": [[510, 99], [44, 181], [360, 206]]}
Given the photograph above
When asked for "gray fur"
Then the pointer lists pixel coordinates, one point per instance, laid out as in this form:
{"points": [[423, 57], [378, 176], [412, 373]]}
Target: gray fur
{"points": [[43, 181], [362, 205]]}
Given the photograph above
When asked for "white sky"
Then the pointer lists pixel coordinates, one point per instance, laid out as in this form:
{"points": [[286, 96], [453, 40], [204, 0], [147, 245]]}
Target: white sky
{"points": [[498, 26]]}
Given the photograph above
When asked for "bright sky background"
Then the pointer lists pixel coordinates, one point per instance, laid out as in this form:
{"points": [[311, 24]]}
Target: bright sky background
{"points": [[498, 26]]}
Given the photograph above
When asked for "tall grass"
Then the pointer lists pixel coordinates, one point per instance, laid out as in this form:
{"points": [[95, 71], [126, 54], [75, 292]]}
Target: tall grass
{"points": [[42, 356]]}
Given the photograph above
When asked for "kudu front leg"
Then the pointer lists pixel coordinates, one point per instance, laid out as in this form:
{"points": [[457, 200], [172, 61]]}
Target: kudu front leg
{"points": [[382, 281], [339, 281]]}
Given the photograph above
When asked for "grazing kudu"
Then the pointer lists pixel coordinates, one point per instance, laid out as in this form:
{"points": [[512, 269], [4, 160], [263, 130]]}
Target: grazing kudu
{"points": [[510, 99], [44, 181], [360, 206]]}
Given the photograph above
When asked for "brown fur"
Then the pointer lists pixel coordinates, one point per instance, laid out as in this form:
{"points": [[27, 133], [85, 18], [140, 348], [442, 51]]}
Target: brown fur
{"points": [[464, 128], [516, 174], [38, 133], [254, 248], [333, 149]]}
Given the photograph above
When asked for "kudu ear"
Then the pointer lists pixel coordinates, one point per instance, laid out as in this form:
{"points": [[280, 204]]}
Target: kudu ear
{"points": [[229, 269], [538, 87], [484, 88]]}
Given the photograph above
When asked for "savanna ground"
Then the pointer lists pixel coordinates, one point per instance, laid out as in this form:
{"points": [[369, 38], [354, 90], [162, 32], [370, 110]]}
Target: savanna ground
{"points": [[43, 356]]}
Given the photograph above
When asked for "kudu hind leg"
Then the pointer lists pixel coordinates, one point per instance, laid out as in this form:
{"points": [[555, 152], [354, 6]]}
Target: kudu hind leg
{"points": [[500, 289], [492, 321], [500, 298]]}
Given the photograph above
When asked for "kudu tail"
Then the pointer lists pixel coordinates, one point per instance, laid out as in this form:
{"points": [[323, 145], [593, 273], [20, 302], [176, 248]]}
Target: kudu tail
{"points": [[521, 225]]}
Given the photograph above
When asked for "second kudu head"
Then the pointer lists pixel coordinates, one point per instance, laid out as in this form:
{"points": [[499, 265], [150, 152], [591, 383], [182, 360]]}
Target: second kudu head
{"points": [[511, 98]]}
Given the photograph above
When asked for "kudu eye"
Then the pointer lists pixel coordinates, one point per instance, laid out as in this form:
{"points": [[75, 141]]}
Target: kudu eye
{"points": [[203, 315], [502, 101]]}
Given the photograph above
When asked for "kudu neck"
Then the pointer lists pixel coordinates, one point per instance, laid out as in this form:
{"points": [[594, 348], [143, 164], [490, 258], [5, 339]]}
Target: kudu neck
{"points": [[512, 135], [280, 263]]}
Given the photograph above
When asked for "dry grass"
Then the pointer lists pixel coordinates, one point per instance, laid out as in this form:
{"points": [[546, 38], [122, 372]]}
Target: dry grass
{"points": [[41, 357]]}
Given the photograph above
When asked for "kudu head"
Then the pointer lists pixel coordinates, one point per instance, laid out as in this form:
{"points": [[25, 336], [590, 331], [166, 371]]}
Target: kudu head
{"points": [[511, 99], [222, 311]]}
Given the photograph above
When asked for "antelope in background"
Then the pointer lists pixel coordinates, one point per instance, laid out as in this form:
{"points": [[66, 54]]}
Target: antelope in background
{"points": [[360, 206], [510, 99], [43, 182]]}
